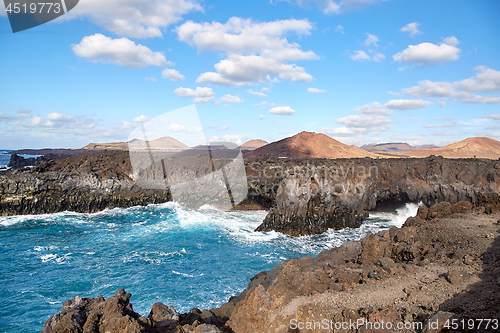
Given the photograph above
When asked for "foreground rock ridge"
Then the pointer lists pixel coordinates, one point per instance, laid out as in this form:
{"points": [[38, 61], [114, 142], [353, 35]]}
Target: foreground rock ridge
{"points": [[304, 195], [442, 266]]}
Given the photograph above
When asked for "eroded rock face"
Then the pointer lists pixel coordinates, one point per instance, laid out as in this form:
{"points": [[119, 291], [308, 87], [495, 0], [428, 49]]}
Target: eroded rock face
{"points": [[314, 195]]}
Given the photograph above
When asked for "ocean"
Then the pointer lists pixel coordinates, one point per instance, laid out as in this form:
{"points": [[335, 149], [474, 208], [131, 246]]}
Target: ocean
{"points": [[4, 157], [159, 253]]}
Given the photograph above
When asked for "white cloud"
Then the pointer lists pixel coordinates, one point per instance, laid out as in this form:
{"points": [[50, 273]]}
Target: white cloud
{"points": [[451, 41], [330, 7], [407, 104], [486, 80], [283, 110], [134, 18], [223, 128], [256, 93], [315, 90], [201, 94], [152, 79], [340, 131], [266, 90], [231, 99], [366, 122], [360, 55], [411, 29], [393, 93], [255, 50], [492, 117], [372, 39], [262, 117], [172, 75], [141, 119], [339, 28], [442, 103], [121, 51], [378, 57], [265, 103], [374, 108], [427, 53]]}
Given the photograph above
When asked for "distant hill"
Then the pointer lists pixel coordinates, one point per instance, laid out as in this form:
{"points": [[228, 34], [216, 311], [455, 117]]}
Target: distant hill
{"points": [[387, 147], [468, 148], [308, 144], [253, 144], [108, 146], [393, 147], [165, 143], [425, 146]]}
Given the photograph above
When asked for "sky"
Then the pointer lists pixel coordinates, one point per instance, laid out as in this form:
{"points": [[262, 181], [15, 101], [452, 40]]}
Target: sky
{"points": [[360, 71]]}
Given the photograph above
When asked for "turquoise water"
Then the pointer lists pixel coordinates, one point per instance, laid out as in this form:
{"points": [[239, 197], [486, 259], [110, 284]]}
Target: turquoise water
{"points": [[160, 253]]}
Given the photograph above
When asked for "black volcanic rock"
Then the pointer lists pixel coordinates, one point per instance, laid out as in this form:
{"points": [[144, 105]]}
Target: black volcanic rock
{"points": [[116, 314], [17, 162]]}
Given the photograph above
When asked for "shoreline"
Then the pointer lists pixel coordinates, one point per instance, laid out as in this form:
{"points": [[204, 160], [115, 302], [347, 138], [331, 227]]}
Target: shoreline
{"points": [[429, 275]]}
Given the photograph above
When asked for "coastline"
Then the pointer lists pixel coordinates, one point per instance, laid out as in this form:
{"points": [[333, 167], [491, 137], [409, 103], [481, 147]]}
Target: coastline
{"points": [[447, 272]]}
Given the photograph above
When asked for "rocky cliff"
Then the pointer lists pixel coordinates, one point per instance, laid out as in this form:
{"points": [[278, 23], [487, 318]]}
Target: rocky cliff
{"points": [[80, 183], [313, 195]]}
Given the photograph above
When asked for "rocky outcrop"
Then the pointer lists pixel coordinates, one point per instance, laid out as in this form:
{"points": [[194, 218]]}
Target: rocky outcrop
{"points": [[87, 315], [314, 195], [18, 162], [442, 265], [81, 183]]}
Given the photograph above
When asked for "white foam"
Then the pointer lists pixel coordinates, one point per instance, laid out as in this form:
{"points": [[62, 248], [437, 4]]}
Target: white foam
{"points": [[187, 275], [48, 257], [399, 217]]}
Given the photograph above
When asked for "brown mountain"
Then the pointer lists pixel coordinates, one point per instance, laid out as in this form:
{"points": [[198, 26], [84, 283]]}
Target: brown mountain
{"points": [[253, 144], [468, 148], [308, 144], [165, 143]]}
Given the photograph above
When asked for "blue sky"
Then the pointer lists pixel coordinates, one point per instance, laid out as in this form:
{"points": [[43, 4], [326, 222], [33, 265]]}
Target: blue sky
{"points": [[361, 71]]}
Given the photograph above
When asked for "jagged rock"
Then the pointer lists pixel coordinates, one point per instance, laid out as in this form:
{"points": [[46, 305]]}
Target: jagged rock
{"points": [[440, 210], [17, 162]]}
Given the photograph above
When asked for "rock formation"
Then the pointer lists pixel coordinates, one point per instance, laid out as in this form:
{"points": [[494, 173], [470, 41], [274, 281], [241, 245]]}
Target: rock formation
{"points": [[314, 194]]}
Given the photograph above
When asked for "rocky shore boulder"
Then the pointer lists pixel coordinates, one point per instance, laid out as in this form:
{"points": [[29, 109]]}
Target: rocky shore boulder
{"points": [[116, 315]]}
